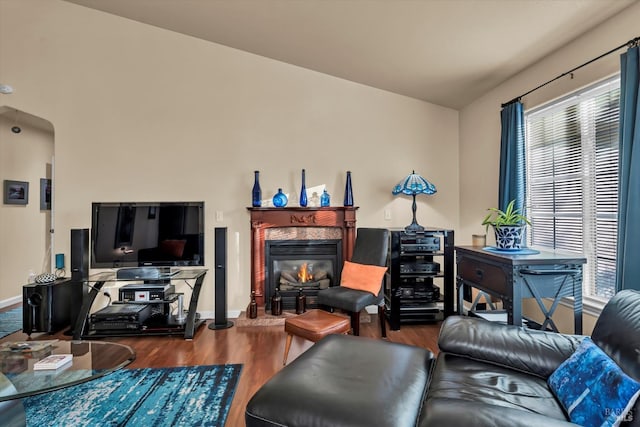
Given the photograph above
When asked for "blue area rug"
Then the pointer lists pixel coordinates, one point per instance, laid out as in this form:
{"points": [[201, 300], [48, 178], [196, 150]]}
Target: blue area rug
{"points": [[10, 321], [183, 396]]}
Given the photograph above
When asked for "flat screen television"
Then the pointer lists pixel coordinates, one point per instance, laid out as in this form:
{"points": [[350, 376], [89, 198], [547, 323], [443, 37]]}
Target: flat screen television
{"points": [[155, 234]]}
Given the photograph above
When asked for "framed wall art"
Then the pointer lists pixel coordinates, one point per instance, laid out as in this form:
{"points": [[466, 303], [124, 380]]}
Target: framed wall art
{"points": [[16, 192]]}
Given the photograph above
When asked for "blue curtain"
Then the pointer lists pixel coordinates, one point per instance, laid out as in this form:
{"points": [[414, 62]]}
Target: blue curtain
{"points": [[627, 265], [512, 170]]}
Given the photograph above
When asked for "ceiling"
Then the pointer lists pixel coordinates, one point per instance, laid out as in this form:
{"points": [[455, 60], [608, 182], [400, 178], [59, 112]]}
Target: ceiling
{"points": [[448, 52]]}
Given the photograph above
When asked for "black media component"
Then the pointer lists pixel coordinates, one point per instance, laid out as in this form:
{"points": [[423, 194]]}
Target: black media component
{"points": [[120, 317], [415, 243], [419, 291], [420, 267], [144, 273], [80, 254], [220, 262], [50, 307], [146, 292], [147, 234]]}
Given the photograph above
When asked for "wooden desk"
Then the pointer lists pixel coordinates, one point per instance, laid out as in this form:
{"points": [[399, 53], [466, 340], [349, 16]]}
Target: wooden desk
{"points": [[512, 277]]}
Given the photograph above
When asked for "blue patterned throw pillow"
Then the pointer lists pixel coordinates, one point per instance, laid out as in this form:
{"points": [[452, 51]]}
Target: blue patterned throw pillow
{"points": [[592, 388]]}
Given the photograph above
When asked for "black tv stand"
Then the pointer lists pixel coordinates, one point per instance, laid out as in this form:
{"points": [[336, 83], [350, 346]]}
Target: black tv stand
{"points": [[167, 325]]}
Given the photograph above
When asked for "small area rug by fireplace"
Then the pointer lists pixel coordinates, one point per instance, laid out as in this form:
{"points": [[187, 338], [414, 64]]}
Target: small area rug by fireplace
{"points": [[189, 396], [265, 318]]}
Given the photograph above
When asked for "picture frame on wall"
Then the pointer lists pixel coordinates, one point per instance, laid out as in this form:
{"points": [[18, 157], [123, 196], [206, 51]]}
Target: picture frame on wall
{"points": [[45, 194], [16, 192]]}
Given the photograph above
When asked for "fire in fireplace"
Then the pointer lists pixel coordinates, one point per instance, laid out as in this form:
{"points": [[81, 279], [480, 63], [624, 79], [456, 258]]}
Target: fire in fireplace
{"points": [[303, 274], [307, 265]]}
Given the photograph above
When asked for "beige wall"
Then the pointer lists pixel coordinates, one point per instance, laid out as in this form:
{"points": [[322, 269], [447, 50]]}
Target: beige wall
{"points": [[480, 121], [24, 229], [144, 114]]}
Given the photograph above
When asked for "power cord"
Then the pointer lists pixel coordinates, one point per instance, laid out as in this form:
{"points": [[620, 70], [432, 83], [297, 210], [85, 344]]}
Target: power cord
{"points": [[105, 293]]}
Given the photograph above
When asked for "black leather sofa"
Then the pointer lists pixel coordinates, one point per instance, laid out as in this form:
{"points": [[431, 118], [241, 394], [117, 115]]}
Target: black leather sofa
{"points": [[486, 374]]}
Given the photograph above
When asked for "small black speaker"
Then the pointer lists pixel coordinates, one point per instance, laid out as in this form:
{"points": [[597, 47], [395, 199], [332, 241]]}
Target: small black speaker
{"points": [[80, 254], [220, 321], [48, 307]]}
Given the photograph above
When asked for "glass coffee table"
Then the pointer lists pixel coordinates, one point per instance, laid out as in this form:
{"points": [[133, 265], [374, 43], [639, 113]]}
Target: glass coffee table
{"points": [[18, 379]]}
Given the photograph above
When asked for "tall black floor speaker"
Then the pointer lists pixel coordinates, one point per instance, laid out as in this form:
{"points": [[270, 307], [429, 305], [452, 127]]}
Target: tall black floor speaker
{"points": [[80, 254], [79, 271], [220, 321]]}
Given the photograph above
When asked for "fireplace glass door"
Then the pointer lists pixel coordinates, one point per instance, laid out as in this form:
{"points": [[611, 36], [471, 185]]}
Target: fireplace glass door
{"points": [[301, 265]]}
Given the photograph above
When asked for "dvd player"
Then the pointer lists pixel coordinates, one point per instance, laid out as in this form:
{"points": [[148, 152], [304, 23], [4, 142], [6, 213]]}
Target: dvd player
{"points": [[420, 268], [146, 292]]}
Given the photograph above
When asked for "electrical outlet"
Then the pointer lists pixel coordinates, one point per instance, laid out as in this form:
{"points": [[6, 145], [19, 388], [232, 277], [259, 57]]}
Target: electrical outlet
{"points": [[387, 215], [219, 216]]}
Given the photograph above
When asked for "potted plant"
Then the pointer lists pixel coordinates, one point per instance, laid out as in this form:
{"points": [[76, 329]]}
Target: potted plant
{"points": [[508, 226]]}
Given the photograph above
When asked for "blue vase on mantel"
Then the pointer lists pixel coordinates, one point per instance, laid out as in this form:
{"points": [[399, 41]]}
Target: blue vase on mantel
{"points": [[303, 192], [280, 200], [325, 199], [256, 193]]}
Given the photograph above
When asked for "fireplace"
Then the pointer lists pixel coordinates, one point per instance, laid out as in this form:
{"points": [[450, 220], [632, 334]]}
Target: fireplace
{"points": [[305, 229], [306, 266]]}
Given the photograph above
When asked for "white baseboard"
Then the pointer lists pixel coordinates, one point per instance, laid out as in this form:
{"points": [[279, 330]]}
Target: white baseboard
{"points": [[10, 301]]}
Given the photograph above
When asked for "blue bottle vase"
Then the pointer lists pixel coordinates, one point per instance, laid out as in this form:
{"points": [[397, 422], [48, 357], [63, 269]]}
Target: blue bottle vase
{"points": [[325, 199], [256, 193], [348, 191], [303, 191]]}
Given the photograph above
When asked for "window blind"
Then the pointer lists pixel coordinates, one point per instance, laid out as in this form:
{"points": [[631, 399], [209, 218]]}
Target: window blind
{"points": [[572, 180]]}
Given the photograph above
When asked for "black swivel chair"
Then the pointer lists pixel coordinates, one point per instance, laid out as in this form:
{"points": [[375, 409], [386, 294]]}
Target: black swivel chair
{"points": [[371, 247]]}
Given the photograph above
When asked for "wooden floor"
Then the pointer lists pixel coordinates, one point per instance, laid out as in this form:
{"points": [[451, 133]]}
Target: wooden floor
{"points": [[258, 349]]}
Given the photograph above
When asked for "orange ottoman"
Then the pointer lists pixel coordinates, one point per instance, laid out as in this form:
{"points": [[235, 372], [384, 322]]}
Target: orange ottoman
{"points": [[314, 325]]}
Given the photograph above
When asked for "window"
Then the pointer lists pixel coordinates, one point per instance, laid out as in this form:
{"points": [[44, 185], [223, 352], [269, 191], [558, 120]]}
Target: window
{"points": [[572, 180]]}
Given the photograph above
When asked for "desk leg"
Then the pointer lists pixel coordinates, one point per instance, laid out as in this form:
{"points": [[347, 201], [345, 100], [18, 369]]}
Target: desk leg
{"points": [[514, 306], [460, 294], [577, 306]]}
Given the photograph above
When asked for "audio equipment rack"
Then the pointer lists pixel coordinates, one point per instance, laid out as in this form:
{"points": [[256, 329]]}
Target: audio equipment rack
{"points": [[420, 286]]}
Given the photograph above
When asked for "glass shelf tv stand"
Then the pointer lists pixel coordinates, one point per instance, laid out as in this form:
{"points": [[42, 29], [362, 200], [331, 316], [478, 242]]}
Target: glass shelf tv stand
{"points": [[163, 322]]}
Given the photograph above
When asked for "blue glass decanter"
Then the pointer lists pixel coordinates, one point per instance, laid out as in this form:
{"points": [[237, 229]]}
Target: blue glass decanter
{"points": [[256, 193], [280, 200], [348, 191], [325, 199], [303, 191]]}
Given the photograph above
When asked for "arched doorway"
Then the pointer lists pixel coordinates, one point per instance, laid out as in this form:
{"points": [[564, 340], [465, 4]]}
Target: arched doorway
{"points": [[26, 211]]}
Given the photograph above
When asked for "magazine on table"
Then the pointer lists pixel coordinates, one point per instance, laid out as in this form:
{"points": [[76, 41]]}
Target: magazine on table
{"points": [[53, 361]]}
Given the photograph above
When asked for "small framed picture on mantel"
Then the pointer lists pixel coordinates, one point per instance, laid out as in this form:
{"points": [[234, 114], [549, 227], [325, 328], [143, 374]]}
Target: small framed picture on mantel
{"points": [[16, 192]]}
